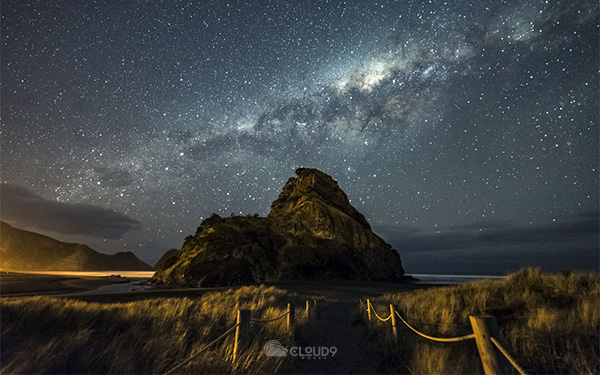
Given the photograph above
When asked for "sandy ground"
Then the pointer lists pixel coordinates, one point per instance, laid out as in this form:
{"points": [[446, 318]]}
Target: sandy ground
{"points": [[337, 327]]}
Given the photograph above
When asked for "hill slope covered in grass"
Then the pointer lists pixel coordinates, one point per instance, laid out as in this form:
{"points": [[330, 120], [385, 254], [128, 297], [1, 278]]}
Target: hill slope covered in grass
{"points": [[22, 250], [45, 335], [548, 321]]}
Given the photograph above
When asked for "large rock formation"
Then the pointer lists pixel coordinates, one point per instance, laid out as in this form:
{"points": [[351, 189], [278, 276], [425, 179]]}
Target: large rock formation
{"points": [[168, 259], [21, 250], [312, 232]]}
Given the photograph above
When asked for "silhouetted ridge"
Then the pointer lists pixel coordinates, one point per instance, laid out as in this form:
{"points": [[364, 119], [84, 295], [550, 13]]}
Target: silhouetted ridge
{"points": [[21, 250]]}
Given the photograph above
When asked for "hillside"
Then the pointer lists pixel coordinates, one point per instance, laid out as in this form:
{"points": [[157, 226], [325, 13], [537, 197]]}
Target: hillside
{"points": [[28, 251], [312, 232]]}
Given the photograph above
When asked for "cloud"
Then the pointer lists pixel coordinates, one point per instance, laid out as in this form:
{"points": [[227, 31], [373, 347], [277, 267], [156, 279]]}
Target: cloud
{"points": [[577, 230], [21, 206]]}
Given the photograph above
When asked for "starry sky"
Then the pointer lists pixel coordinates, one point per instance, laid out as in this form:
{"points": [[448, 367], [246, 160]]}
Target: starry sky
{"points": [[465, 132]]}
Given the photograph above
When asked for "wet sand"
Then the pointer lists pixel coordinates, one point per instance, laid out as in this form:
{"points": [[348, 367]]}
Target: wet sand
{"points": [[27, 284]]}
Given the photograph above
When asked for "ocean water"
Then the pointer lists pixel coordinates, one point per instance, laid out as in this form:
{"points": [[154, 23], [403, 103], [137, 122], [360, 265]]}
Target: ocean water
{"points": [[425, 278]]}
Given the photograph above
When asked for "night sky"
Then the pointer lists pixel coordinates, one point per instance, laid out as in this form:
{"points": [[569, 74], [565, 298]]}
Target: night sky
{"points": [[465, 132]]}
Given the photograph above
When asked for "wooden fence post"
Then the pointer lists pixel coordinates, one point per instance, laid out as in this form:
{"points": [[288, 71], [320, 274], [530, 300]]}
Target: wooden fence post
{"points": [[290, 317], [484, 327], [369, 308], [242, 332], [394, 329]]}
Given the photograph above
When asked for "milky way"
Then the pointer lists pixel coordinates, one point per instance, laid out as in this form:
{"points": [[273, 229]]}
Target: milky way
{"points": [[461, 130]]}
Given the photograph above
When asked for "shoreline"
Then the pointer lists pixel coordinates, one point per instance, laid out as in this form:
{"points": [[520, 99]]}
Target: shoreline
{"points": [[108, 273], [439, 279], [21, 284], [123, 286], [116, 288]]}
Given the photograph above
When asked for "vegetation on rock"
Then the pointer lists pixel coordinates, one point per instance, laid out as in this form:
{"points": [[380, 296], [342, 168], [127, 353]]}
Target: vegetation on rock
{"points": [[312, 232]]}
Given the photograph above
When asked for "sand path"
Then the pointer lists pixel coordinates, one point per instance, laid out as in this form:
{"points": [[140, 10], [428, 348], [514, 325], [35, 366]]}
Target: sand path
{"points": [[337, 327]]}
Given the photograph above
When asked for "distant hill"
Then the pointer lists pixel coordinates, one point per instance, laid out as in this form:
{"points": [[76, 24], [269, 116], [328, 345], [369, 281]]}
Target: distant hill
{"points": [[28, 251], [312, 232]]}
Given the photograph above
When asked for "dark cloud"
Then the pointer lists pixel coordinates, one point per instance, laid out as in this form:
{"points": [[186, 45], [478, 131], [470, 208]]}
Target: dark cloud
{"points": [[578, 229], [21, 206]]}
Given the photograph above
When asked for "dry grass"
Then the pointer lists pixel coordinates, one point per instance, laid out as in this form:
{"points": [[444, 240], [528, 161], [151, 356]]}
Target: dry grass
{"points": [[53, 335], [549, 322]]}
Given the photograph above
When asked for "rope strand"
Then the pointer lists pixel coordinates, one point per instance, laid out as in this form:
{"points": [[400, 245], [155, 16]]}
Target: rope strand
{"points": [[510, 359], [440, 339], [268, 320], [378, 317], [202, 350]]}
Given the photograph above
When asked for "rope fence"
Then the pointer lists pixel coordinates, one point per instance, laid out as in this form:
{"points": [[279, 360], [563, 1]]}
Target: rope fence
{"points": [[268, 320], [485, 332], [438, 339], [242, 332], [380, 318], [508, 356], [203, 349]]}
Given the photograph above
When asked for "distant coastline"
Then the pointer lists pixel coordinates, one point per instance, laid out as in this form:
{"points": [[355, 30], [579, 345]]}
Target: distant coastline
{"points": [[128, 274], [424, 278]]}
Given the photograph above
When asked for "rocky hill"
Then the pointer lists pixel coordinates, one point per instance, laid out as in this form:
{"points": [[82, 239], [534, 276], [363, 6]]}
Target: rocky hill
{"points": [[21, 250], [167, 259], [312, 232]]}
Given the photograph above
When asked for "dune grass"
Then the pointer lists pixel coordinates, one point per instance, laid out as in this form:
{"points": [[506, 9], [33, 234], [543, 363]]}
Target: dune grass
{"points": [[549, 323], [59, 335]]}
